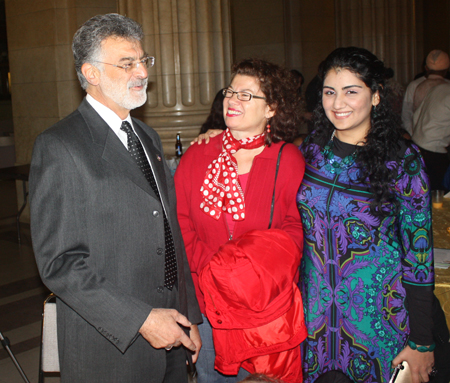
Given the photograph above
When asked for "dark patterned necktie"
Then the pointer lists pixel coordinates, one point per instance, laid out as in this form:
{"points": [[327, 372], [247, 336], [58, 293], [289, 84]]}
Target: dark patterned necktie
{"points": [[137, 152]]}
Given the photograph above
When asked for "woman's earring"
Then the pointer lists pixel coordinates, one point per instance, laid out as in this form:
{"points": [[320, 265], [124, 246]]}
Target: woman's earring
{"points": [[268, 126]]}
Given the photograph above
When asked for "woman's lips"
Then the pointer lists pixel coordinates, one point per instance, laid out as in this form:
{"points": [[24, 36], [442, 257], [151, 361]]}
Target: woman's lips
{"points": [[233, 113], [342, 114]]}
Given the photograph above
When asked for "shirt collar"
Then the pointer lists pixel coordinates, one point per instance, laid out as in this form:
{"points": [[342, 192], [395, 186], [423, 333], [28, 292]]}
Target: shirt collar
{"points": [[111, 118]]}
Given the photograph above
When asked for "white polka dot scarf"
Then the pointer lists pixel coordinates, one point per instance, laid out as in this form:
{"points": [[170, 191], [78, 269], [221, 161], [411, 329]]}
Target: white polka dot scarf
{"points": [[221, 190]]}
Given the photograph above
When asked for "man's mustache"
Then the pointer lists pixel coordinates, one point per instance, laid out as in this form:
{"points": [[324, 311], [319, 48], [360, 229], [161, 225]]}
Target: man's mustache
{"points": [[138, 82]]}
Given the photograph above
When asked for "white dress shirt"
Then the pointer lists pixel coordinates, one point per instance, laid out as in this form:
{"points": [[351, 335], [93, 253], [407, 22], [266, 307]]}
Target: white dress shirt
{"points": [[114, 121]]}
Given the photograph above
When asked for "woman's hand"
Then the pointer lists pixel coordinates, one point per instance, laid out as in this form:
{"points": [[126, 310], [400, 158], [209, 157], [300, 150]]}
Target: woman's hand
{"points": [[420, 363], [206, 136]]}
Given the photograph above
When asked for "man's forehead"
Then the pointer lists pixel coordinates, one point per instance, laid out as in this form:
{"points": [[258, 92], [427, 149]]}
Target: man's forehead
{"points": [[115, 45]]}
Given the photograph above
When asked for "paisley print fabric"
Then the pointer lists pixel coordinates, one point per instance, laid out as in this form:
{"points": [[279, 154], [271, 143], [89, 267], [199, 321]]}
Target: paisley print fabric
{"points": [[354, 266]]}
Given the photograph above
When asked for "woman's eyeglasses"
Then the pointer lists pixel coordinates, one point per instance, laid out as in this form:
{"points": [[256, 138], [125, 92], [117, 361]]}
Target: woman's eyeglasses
{"points": [[242, 96]]}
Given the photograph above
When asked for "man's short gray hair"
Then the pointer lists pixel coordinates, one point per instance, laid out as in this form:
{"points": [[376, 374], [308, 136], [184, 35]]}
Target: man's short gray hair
{"points": [[86, 46]]}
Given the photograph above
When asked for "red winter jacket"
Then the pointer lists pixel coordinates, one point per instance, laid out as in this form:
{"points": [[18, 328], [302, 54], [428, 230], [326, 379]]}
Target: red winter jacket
{"points": [[254, 305]]}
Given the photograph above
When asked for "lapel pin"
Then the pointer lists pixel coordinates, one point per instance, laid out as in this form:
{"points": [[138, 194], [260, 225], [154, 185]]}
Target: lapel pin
{"points": [[159, 158]]}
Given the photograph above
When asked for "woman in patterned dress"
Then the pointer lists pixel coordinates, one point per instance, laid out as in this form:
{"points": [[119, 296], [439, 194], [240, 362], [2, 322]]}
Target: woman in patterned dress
{"points": [[367, 271]]}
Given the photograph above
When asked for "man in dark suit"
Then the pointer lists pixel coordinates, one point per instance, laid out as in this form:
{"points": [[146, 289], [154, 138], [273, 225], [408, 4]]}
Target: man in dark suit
{"points": [[104, 226]]}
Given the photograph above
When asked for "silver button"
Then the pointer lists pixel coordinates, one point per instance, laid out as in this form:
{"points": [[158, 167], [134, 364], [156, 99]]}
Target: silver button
{"points": [[155, 213]]}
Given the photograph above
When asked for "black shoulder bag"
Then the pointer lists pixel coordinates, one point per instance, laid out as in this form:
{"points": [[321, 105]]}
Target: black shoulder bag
{"points": [[275, 184]]}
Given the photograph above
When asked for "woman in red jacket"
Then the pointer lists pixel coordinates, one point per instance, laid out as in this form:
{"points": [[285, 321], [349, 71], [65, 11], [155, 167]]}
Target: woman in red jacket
{"points": [[225, 188]]}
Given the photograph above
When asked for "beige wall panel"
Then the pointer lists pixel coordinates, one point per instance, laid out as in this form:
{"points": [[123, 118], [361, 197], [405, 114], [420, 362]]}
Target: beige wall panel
{"points": [[218, 48], [185, 40], [205, 52], [167, 54], [26, 131], [325, 8], [313, 54], [220, 74], [410, 48], [182, 84], [227, 42], [36, 100], [168, 86], [293, 35], [84, 14], [65, 68], [93, 3], [206, 68], [30, 30], [318, 34], [65, 27], [384, 27], [44, 84], [149, 20], [187, 74], [69, 95], [42, 59], [269, 52], [249, 10], [258, 30], [19, 7]]}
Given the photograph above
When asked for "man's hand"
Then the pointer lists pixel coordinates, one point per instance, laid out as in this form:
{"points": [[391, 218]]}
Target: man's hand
{"points": [[420, 363], [195, 337], [161, 329]]}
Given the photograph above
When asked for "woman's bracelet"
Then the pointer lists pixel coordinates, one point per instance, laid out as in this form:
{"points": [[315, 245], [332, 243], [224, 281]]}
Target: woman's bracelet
{"points": [[421, 348]]}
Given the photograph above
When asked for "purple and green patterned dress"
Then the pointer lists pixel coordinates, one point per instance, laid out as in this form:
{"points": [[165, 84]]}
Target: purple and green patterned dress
{"points": [[354, 264]]}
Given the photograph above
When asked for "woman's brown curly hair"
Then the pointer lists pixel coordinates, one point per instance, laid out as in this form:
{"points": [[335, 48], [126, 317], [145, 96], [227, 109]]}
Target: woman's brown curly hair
{"points": [[279, 88]]}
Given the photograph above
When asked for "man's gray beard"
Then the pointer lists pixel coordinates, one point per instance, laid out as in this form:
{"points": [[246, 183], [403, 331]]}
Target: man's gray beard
{"points": [[129, 102], [126, 100]]}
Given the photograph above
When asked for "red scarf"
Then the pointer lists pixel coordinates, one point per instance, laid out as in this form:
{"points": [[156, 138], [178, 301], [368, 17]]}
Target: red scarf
{"points": [[221, 190]]}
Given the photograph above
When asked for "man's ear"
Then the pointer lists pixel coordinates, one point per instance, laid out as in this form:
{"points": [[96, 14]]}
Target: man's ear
{"points": [[91, 74]]}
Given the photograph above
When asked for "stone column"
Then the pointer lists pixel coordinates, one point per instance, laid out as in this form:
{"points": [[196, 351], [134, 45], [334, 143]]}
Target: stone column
{"points": [[192, 44], [385, 27]]}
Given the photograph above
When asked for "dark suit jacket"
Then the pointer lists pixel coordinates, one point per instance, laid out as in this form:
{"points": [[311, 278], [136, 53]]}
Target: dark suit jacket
{"points": [[98, 236]]}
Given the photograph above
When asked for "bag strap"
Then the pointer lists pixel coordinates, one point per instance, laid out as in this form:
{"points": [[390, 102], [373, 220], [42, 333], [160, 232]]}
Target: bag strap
{"points": [[275, 183]]}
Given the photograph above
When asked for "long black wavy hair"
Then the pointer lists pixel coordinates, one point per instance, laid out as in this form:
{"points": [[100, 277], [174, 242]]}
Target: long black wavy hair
{"points": [[382, 142], [280, 89]]}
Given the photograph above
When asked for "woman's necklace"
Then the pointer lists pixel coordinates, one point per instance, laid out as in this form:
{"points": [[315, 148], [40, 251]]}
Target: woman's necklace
{"points": [[331, 163]]}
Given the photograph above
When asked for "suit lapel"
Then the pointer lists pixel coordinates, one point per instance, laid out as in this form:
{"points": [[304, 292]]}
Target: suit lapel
{"points": [[156, 159], [113, 151]]}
